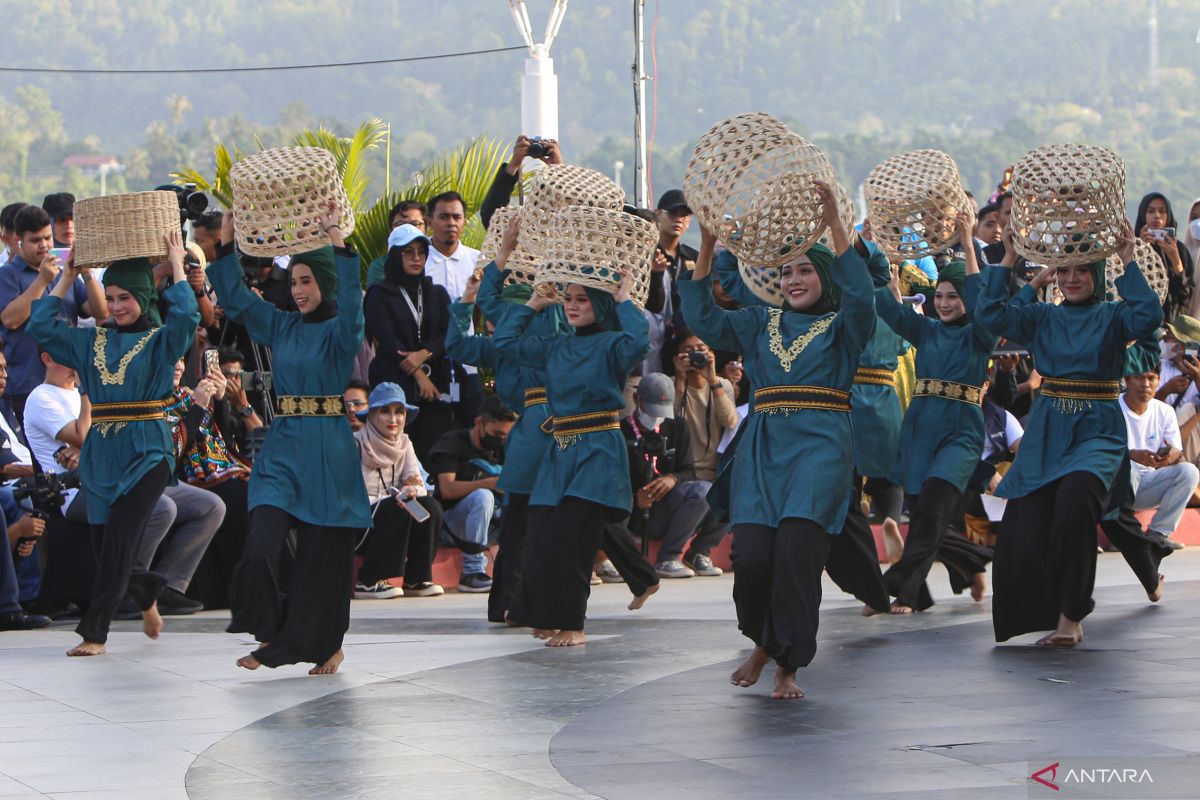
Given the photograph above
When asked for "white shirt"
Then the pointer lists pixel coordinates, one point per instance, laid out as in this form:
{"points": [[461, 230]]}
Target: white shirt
{"points": [[47, 411], [1012, 434], [451, 272], [19, 450], [1166, 371], [1150, 430]]}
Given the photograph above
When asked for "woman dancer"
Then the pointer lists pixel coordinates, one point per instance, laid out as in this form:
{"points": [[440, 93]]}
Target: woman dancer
{"points": [[792, 473], [127, 373], [942, 433], [583, 482], [1075, 439], [307, 475]]}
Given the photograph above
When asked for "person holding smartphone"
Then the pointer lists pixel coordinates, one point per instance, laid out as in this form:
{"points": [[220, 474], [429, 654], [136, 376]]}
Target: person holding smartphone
{"points": [[1155, 225], [404, 518]]}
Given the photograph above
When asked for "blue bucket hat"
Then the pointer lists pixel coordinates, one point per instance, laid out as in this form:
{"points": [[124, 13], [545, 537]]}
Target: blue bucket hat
{"points": [[387, 393]]}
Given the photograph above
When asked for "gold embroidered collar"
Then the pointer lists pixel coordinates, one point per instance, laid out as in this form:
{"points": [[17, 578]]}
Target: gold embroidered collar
{"points": [[800, 344], [100, 361]]}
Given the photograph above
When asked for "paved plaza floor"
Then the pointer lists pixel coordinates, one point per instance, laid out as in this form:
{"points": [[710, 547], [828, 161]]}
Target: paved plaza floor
{"points": [[433, 701]]}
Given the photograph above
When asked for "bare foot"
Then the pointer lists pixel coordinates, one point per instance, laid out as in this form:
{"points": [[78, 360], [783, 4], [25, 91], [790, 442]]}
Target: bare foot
{"points": [[1068, 634], [867, 611], [1156, 595], [785, 686], [641, 599], [747, 674], [249, 662], [892, 541], [544, 633], [152, 622], [978, 586], [566, 639], [87, 649], [330, 666], [900, 608]]}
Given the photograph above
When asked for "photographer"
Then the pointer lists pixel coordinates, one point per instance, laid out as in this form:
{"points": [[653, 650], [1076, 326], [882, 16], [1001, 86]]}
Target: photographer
{"points": [[16, 525], [670, 257], [235, 415], [705, 400], [509, 174], [669, 503]]}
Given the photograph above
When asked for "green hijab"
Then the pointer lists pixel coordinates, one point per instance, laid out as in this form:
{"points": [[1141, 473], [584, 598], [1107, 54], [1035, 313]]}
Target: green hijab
{"points": [[324, 269], [1099, 288], [821, 258], [134, 276], [956, 273], [1142, 357], [517, 293], [604, 309]]}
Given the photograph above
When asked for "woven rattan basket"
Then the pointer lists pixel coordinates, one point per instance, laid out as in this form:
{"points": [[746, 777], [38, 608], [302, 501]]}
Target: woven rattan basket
{"points": [[1068, 204], [913, 200], [120, 226], [279, 196], [1152, 267], [591, 245], [750, 181], [558, 186], [522, 264]]}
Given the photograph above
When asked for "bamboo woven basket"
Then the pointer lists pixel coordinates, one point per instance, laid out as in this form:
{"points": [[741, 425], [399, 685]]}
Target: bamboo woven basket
{"points": [[120, 226], [764, 281], [591, 245], [279, 196], [1152, 267], [913, 200], [522, 264], [558, 186], [1068, 204], [750, 182]]}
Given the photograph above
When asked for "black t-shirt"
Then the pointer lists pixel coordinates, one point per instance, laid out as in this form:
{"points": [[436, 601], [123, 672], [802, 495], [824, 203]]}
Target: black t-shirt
{"points": [[453, 452]]}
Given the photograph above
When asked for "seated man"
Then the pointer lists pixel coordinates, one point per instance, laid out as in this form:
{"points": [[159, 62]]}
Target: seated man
{"points": [[15, 524], [1161, 479], [184, 519], [466, 466], [669, 503]]}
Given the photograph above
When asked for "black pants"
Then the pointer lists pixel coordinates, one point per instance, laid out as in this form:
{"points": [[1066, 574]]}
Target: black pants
{"points": [[560, 549], [1143, 553], [116, 543], [506, 569], [929, 517], [623, 552], [306, 617], [210, 582], [399, 545], [853, 562], [888, 497], [1046, 556], [777, 587]]}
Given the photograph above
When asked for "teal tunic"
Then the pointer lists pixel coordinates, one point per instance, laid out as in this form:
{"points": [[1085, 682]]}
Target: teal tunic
{"points": [[797, 464], [725, 268], [308, 466], [116, 458], [375, 271], [940, 438], [875, 409], [526, 445], [1070, 342], [587, 374]]}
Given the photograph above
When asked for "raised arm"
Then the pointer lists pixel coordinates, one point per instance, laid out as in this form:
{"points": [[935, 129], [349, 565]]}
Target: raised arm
{"points": [[511, 341], [462, 345], [849, 271], [984, 339], [718, 328], [633, 344], [183, 313], [488, 299], [240, 304], [1140, 312], [994, 310]]}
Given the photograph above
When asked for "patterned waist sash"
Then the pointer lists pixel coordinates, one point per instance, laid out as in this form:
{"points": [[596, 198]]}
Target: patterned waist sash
{"points": [[948, 390], [112, 417], [785, 399], [535, 396], [567, 430], [293, 405], [878, 377], [1070, 396]]}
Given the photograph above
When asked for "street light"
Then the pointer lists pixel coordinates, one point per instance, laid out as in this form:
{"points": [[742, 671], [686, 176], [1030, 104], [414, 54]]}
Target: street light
{"points": [[539, 84]]}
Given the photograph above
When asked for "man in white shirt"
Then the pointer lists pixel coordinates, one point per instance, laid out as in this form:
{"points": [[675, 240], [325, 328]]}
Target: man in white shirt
{"points": [[450, 264], [1160, 476]]}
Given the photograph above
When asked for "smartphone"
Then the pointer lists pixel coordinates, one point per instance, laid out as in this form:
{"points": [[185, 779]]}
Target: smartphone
{"points": [[60, 253], [417, 511], [1192, 350], [1163, 451], [1161, 234], [212, 361]]}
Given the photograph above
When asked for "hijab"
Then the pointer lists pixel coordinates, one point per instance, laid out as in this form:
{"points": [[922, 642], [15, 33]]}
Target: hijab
{"points": [[393, 272], [605, 311], [134, 276], [821, 257], [1192, 243]]}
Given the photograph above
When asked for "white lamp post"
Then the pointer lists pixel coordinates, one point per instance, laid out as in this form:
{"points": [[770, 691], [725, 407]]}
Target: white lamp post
{"points": [[539, 84]]}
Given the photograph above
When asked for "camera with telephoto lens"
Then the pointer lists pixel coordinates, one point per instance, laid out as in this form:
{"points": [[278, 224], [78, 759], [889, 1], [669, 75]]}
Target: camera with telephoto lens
{"points": [[538, 147], [256, 381], [252, 266], [698, 359], [46, 491], [193, 204]]}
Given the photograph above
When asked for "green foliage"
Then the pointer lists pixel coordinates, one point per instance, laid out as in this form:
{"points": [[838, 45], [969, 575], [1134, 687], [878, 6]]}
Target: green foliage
{"points": [[351, 155]]}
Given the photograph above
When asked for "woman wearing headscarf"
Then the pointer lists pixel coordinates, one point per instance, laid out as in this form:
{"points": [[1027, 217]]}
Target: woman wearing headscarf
{"points": [[406, 319], [127, 457], [942, 435], [306, 477], [1075, 441], [790, 474], [1154, 218], [397, 545], [583, 481]]}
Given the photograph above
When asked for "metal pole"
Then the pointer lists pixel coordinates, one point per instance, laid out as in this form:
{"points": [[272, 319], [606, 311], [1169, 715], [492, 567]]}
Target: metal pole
{"points": [[639, 107], [387, 164]]}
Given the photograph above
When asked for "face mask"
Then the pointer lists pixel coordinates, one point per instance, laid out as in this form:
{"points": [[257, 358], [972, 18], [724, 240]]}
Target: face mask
{"points": [[648, 422], [1168, 350], [491, 442], [1194, 228]]}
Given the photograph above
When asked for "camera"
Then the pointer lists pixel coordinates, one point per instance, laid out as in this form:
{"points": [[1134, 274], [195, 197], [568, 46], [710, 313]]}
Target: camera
{"points": [[1161, 234], [46, 490], [256, 381], [251, 266], [539, 147], [193, 204], [697, 359]]}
